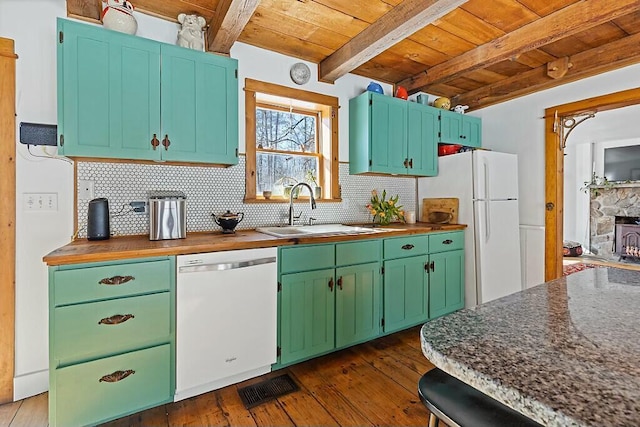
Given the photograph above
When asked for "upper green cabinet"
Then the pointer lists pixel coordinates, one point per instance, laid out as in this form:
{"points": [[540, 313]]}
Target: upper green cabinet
{"points": [[121, 96], [393, 136], [456, 128]]}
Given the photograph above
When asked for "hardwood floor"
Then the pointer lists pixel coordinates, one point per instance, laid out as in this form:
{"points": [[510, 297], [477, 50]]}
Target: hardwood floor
{"points": [[370, 384]]}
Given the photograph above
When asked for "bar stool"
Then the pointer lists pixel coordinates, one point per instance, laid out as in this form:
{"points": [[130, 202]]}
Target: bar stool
{"points": [[459, 405]]}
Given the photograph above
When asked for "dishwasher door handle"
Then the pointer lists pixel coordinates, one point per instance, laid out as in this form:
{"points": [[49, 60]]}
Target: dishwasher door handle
{"points": [[222, 266]]}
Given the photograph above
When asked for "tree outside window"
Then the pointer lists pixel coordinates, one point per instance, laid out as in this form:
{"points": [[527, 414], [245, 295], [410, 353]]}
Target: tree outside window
{"points": [[286, 148]]}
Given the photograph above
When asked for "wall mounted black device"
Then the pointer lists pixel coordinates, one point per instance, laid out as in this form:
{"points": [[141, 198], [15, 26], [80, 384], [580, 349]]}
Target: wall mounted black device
{"points": [[98, 219], [38, 134]]}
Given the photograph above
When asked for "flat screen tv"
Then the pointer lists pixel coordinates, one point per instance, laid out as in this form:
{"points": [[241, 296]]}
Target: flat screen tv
{"points": [[622, 163]]}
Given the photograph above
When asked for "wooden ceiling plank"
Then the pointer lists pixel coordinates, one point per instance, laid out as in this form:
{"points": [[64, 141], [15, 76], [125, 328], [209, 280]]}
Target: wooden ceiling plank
{"points": [[567, 21], [545, 7], [441, 40], [169, 10], [272, 19], [595, 61], [629, 23], [282, 43], [228, 22], [402, 21], [507, 15], [469, 27], [87, 10], [366, 10]]}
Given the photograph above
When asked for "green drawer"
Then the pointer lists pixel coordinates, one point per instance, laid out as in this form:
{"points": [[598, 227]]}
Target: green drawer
{"points": [[443, 242], [79, 335], [400, 247], [80, 398], [83, 284], [304, 258], [358, 252]]}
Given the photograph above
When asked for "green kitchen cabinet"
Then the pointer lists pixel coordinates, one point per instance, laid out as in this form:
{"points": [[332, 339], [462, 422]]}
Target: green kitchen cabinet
{"points": [[406, 292], [392, 136], [456, 128], [330, 297], [446, 275], [121, 96], [111, 339], [358, 297], [307, 314]]}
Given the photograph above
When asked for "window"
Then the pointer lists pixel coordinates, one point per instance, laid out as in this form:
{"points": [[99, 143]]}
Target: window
{"points": [[291, 137]]}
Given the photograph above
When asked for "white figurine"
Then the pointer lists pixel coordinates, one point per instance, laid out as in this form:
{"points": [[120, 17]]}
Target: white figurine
{"points": [[460, 108], [190, 35]]}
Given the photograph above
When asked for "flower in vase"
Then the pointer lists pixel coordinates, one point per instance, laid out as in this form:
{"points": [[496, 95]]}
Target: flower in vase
{"points": [[384, 211]]}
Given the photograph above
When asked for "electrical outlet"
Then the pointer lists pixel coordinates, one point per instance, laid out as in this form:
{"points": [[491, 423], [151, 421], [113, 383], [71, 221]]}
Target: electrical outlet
{"points": [[86, 189], [40, 202], [139, 206]]}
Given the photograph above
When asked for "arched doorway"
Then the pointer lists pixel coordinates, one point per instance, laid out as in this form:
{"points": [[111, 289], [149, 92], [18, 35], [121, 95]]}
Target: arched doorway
{"points": [[554, 168]]}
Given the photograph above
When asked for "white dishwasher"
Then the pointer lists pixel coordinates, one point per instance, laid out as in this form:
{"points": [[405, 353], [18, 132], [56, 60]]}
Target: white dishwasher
{"points": [[225, 318]]}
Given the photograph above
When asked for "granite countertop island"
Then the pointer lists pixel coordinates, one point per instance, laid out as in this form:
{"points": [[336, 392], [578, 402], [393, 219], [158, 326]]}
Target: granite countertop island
{"points": [[564, 353]]}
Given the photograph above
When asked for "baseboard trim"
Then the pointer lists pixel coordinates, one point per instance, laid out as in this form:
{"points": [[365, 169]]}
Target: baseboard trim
{"points": [[30, 384]]}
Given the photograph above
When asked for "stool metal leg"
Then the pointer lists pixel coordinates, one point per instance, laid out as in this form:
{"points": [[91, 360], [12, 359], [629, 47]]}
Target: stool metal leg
{"points": [[433, 421]]}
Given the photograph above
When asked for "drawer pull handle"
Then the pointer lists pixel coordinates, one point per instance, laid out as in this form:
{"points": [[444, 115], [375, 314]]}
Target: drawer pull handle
{"points": [[166, 142], [115, 319], [116, 376], [407, 247], [447, 242], [154, 141], [116, 280]]}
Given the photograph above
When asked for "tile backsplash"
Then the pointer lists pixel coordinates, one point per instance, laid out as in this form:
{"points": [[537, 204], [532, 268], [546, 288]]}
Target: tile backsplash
{"points": [[214, 190]]}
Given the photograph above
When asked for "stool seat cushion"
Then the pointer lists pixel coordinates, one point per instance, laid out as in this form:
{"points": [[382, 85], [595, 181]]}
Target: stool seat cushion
{"points": [[465, 405]]}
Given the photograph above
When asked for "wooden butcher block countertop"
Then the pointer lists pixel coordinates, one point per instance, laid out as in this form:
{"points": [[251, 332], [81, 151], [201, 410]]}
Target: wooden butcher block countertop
{"points": [[127, 247]]}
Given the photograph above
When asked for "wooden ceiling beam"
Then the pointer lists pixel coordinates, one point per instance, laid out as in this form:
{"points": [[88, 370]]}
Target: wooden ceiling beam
{"points": [[569, 20], [611, 56], [228, 22], [87, 10], [394, 26]]}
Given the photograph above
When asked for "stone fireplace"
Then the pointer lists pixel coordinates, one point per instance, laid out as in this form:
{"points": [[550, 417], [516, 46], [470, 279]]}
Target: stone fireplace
{"points": [[615, 208]]}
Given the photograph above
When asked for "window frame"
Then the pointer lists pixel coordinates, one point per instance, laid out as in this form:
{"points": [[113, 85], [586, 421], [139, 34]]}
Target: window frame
{"points": [[327, 141]]}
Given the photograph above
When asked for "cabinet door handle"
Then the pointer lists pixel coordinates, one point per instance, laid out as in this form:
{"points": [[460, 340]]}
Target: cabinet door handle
{"points": [[331, 284], [166, 142], [447, 242], [154, 141], [340, 282], [116, 376], [407, 247], [432, 266], [406, 163], [116, 280], [411, 163], [115, 319]]}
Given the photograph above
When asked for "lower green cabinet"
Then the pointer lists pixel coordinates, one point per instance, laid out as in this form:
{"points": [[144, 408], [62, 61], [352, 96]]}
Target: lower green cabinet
{"points": [[406, 293], [446, 283], [307, 314], [358, 296], [323, 309], [336, 295], [111, 339]]}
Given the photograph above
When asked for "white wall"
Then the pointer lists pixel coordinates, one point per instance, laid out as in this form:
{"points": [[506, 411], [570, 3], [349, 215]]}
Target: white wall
{"points": [[40, 233], [517, 127]]}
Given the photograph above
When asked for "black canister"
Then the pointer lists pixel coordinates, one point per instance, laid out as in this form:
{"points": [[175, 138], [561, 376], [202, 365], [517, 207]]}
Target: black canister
{"points": [[98, 219]]}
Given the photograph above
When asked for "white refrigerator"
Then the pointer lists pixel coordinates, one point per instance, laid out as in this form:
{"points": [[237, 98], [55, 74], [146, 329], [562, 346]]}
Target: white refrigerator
{"points": [[486, 184]]}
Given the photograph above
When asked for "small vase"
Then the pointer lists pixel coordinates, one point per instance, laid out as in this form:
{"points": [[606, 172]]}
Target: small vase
{"points": [[382, 220]]}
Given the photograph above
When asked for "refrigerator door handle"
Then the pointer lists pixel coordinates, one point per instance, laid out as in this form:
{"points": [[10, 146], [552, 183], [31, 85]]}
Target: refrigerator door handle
{"points": [[487, 222], [486, 180]]}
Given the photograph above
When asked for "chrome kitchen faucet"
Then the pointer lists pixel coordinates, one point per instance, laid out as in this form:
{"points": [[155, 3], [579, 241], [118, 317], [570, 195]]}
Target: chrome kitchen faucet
{"points": [[312, 199]]}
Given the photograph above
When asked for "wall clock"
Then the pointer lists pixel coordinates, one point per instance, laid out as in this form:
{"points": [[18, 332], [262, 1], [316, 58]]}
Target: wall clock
{"points": [[300, 73]]}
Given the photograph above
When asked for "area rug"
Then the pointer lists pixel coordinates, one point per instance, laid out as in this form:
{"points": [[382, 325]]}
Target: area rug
{"points": [[574, 268]]}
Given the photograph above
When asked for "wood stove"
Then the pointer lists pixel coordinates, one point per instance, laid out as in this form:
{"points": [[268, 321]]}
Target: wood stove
{"points": [[627, 237]]}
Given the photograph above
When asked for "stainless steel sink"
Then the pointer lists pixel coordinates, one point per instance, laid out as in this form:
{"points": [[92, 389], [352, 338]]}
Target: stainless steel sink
{"points": [[319, 230]]}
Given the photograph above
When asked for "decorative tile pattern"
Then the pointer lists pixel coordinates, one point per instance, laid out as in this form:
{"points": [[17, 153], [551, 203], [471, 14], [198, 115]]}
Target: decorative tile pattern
{"points": [[214, 190]]}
